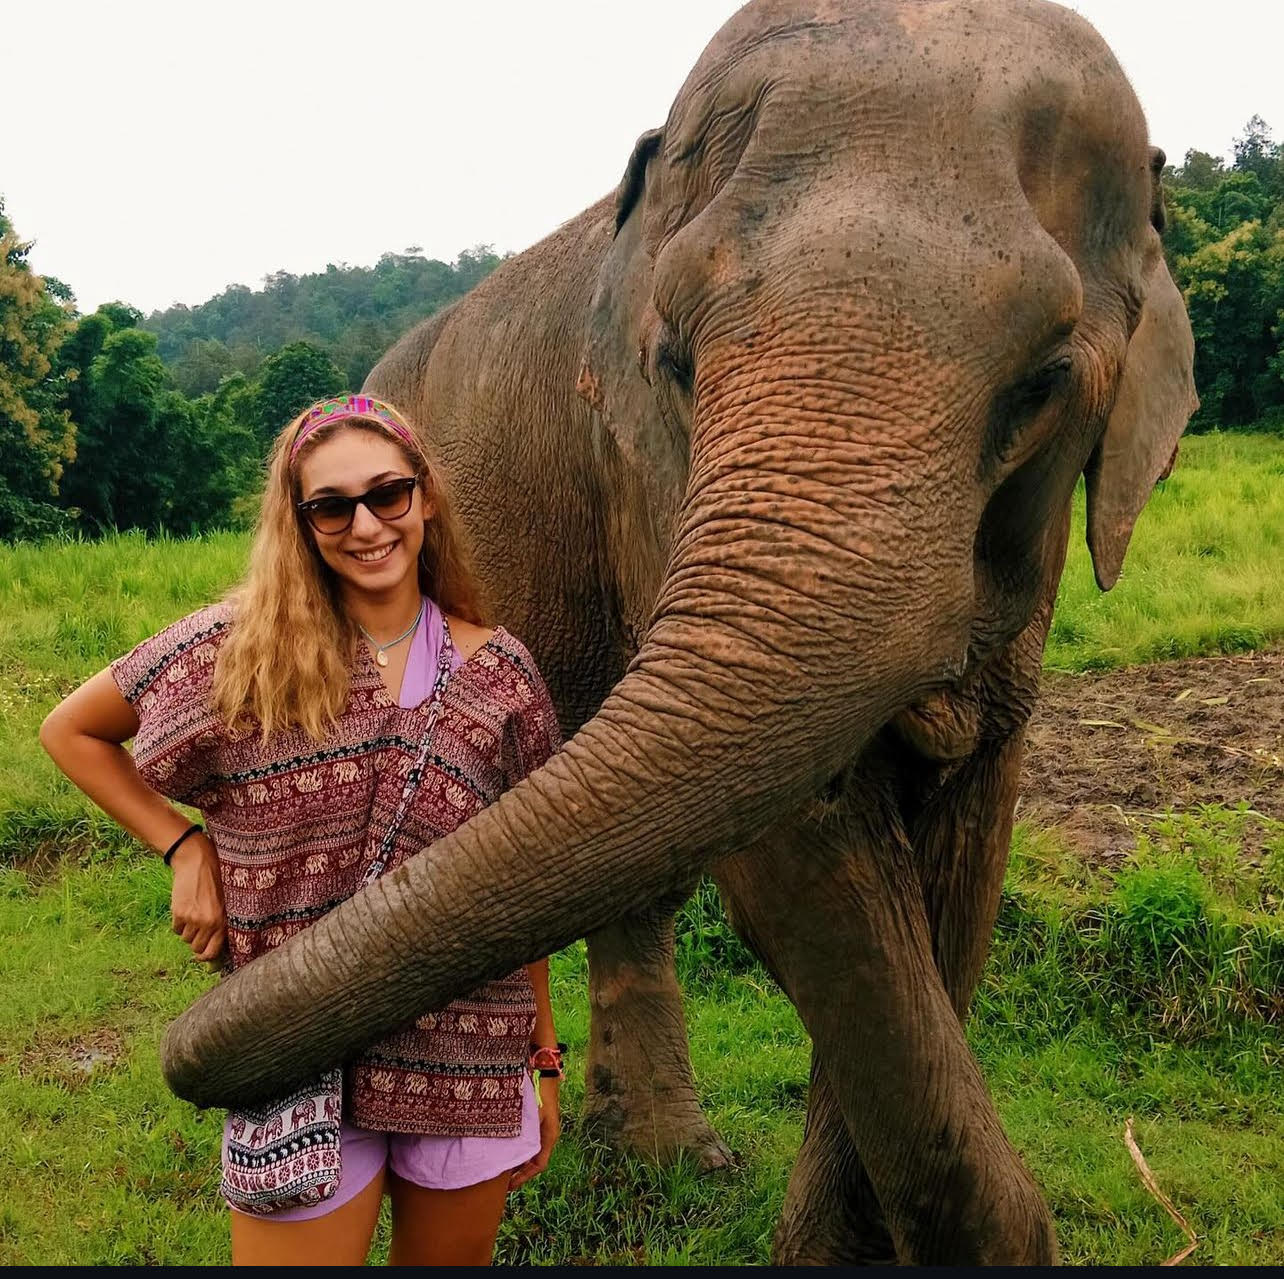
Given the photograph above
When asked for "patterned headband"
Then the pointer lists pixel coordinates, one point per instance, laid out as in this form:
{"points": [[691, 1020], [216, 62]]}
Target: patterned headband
{"points": [[349, 406]]}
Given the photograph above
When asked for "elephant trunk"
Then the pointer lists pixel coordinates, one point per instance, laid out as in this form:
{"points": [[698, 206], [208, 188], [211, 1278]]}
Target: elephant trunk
{"points": [[792, 624]]}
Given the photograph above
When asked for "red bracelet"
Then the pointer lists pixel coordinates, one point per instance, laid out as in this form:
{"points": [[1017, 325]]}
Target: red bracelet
{"points": [[547, 1061]]}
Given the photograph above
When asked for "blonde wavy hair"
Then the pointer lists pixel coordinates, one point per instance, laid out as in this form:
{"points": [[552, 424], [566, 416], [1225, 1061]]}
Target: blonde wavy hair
{"points": [[286, 660]]}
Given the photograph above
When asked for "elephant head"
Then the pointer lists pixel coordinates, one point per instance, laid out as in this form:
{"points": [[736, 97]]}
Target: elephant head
{"points": [[873, 303]]}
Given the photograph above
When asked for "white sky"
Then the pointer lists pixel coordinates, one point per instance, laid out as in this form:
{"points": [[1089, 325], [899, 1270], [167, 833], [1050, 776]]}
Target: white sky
{"points": [[157, 152]]}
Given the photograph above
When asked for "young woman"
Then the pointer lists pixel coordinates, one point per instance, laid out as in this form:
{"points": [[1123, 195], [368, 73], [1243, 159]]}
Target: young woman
{"points": [[289, 715]]}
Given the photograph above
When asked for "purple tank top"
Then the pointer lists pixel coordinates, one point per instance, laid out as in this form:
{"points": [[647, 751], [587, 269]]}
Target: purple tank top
{"points": [[421, 663]]}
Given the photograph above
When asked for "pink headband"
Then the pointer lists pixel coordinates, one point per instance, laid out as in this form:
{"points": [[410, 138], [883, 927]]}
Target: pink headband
{"points": [[348, 406]]}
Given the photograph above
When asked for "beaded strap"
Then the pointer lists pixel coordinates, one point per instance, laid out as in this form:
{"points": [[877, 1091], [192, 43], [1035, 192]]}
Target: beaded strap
{"points": [[416, 771]]}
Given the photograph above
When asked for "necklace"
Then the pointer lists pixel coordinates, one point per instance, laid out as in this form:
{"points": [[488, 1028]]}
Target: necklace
{"points": [[381, 650]]}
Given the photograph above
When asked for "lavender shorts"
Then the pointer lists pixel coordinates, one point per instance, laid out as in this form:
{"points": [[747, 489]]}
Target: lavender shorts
{"points": [[435, 1163]]}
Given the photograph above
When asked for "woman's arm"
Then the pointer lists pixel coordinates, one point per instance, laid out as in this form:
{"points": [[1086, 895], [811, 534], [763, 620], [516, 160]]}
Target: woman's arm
{"points": [[550, 1115], [83, 735], [545, 1033]]}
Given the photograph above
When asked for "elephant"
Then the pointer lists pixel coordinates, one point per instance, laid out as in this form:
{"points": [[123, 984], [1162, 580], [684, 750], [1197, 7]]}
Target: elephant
{"points": [[769, 458]]}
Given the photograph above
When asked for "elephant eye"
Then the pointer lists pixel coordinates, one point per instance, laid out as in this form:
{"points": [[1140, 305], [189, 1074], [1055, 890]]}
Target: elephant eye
{"points": [[1022, 402], [1036, 390], [672, 357]]}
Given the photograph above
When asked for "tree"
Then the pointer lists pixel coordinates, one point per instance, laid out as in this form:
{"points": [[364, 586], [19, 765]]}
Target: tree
{"points": [[360, 348], [288, 382], [1225, 247], [229, 435], [1255, 153], [1238, 198], [37, 438], [1200, 171], [211, 456], [119, 479], [201, 366], [1234, 291], [352, 313], [121, 315], [1185, 233], [149, 457]]}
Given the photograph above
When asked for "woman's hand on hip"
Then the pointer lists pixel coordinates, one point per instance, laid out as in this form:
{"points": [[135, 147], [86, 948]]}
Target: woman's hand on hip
{"points": [[196, 900], [550, 1128]]}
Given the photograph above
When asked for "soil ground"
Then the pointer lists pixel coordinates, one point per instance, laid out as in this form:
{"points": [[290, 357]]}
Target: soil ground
{"points": [[1104, 750]]}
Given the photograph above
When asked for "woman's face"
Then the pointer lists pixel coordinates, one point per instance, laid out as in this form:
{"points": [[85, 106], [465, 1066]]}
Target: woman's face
{"points": [[371, 555]]}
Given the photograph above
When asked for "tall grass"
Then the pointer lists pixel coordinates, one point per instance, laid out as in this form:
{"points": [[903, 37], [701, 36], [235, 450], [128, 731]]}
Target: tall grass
{"points": [[1205, 570], [67, 608], [1182, 939]]}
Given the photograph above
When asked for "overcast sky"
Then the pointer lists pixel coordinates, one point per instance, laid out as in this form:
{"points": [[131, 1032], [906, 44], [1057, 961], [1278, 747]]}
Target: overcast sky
{"points": [[157, 152]]}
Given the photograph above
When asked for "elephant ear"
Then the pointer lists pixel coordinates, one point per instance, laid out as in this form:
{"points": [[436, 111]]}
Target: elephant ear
{"points": [[615, 336], [1155, 400]]}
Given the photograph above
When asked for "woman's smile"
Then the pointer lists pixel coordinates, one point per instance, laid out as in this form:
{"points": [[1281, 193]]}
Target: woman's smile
{"points": [[376, 554]]}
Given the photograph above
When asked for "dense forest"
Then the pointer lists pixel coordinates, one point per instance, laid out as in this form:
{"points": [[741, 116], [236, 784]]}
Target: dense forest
{"points": [[354, 314], [114, 420], [1225, 245]]}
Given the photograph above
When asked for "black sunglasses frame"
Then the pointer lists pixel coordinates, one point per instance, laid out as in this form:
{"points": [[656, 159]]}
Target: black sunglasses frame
{"points": [[309, 509]]}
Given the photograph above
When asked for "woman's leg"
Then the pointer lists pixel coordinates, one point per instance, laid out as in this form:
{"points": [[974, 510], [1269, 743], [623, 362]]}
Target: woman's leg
{"points": [[340, 1238], [445, 1227]]}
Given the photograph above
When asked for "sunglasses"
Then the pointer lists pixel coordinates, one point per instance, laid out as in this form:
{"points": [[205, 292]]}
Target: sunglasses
{"points": [[334, 513]]}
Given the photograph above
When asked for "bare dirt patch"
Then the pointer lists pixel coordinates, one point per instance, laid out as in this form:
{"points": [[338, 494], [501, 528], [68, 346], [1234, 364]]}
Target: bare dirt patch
{"points": [[1106, 750], [71, 1061]]}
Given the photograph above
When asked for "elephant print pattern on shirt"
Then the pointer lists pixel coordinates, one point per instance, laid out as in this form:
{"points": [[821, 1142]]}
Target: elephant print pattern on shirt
{"points": [[327, 804]]}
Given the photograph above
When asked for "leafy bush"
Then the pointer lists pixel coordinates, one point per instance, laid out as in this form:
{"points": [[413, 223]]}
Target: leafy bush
{"points": [[1160, 907], [1184, 941]]}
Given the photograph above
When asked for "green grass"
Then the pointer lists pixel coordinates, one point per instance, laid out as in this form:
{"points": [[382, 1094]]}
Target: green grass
{"points": [[66, 610], [1086, 1016], [1184, 934], [1203, 573]]}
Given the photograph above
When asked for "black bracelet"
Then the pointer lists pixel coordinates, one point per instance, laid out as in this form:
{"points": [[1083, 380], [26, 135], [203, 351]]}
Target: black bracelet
{"points": [[173, 848]]}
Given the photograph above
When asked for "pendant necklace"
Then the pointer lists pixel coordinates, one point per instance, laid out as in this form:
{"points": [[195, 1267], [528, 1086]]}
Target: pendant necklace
{"points": [[381, 650]]}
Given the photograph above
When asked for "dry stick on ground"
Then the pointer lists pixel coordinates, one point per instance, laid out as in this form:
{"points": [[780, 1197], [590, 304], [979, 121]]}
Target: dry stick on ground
{"points": [[1148, 1180], [1158, 733]]}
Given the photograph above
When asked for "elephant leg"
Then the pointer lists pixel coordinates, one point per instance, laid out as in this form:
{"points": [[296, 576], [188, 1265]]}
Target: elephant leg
{"points": [[639, 1091], [962, 836], [837, 910], [831, 1215]]}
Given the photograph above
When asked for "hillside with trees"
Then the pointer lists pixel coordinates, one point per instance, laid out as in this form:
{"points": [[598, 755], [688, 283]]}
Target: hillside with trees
{"points": [[354, 314], [112, 421]]}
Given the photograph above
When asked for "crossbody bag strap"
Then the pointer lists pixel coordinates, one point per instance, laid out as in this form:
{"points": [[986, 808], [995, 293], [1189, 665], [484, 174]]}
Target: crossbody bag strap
{"points": [[376, 867]]}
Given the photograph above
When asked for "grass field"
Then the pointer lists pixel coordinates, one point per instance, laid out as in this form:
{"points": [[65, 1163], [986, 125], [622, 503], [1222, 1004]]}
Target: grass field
{"points": [[1203, 571], [1151, 988], [1146, 993]]}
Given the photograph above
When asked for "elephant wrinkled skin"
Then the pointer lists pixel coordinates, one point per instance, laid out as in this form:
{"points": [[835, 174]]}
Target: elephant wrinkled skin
{"points": [[769, 460]]}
